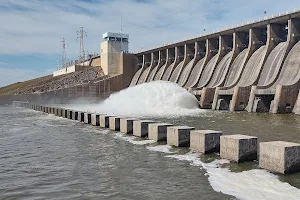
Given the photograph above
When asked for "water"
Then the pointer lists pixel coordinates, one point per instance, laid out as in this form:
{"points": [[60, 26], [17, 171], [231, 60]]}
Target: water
{"points": [[47, 157], [159, 98]]}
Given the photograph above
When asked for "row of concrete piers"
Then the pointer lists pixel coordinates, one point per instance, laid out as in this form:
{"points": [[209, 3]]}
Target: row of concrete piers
{"points": [[254, 67], [276, 156]]}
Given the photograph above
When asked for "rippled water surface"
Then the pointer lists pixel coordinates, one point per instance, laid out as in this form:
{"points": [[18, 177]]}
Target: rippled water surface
{"points": [[46, 157]]}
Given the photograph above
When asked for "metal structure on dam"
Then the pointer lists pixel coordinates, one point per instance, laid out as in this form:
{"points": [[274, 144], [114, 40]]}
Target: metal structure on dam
{"points": [[253, 67]]}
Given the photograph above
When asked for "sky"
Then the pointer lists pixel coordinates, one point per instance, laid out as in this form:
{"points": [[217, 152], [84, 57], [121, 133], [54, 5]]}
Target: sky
{"points": [[31, 30]]}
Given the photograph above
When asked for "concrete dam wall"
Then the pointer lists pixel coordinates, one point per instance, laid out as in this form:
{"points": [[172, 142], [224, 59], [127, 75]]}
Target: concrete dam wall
{"points": [[254, 67]]}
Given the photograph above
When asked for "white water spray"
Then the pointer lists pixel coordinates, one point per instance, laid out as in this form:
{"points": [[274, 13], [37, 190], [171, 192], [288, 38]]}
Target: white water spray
{"points": [[154, 99]]}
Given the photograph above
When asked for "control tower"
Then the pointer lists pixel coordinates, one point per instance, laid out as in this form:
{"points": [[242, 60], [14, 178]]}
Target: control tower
{"points": [[111, 48]]}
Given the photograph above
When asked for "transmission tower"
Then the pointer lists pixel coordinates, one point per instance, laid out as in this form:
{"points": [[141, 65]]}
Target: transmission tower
{"points": [[64, 54], [81, 34]]}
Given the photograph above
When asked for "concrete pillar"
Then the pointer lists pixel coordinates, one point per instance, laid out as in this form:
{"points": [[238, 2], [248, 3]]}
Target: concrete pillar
{"points": [[114, 123], [154, 62], [211, 50], [225, 46], [65, 113], [169, 57], [95, 119], [69, 114], [60, 112], [75, 115], [104, 121], [161, 60], [279, 156], [126, 125], [188, 55], [205, 141], [56, 111], [238, 148], [280, 100], [179, 136], [146, 64], [81, 116], [158, 131], [140, 127], [87, 118]]}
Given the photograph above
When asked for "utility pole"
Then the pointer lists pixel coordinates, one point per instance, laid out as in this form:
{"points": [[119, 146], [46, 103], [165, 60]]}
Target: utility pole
{"points": [[81, 34], [64, 54]]}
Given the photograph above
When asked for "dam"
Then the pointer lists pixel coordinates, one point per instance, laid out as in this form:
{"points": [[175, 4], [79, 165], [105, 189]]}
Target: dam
{"points": [[253, 67]]}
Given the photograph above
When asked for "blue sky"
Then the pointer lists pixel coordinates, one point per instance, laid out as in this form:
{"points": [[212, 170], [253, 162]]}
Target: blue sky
{"points": [[31, 30]]}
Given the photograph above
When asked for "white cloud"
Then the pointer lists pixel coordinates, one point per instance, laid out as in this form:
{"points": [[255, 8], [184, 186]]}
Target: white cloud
{"points": [[38, 26], [3, 63]]}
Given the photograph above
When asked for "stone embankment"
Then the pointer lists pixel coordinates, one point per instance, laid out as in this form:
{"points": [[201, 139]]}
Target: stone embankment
{"points": [[276, 156], [49, 83]]}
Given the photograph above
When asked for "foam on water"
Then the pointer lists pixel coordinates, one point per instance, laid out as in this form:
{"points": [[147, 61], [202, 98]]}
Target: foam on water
{"points": [[160, 148], [154, 99], [133, 139], [246, 185]]}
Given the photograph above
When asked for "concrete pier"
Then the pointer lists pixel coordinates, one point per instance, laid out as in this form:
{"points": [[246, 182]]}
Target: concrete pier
{"points": [[126, 125], [104, 121], [81, 116], [87, 118], [238, 148], [69, 114], [179, 136], [158, 131], [60, 112], [205, 141], [95, 119], [75, 115], [64, 113], [114, 123], [56, 111], [280, 157], [140, 127]]}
